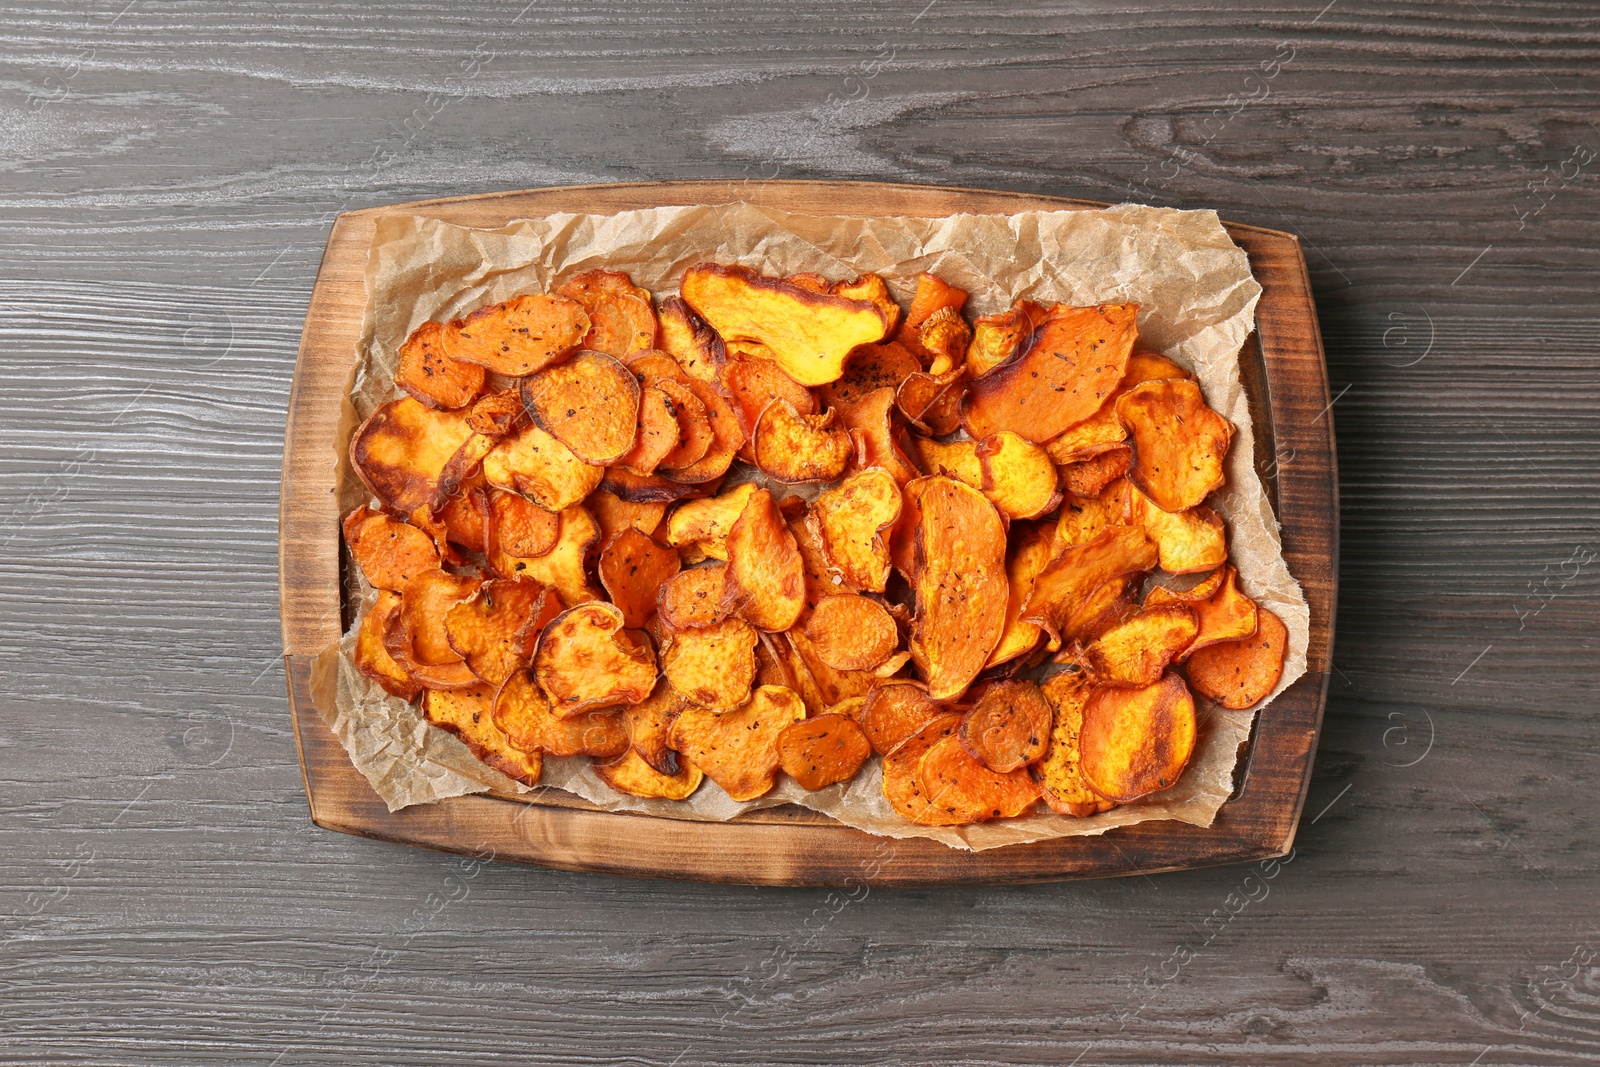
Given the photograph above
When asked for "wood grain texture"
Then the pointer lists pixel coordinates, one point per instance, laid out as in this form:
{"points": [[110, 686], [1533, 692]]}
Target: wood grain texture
{"points": [[163, 898]]}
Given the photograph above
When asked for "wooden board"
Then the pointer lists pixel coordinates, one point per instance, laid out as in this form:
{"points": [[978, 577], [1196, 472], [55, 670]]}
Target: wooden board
{"points": [[1284, 374]]}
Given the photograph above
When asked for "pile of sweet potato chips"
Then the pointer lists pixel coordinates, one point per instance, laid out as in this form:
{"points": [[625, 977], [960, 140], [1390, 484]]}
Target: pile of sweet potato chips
{"points": [[783, 525]]}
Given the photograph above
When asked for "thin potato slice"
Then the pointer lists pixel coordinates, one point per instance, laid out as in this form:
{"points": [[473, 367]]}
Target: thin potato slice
{"points": [[738, 749], [932, 294], [902, 768], [402, 450], [1103, 431], [397, 643], [1179, 443], [820, 578], [1187, 541], [373, 659], [1032, 546], [541, 468], [727, 436], [1225, 613], [389, 552], [822, 751], [893, 712], [590, 403], [621, 319], [713, 665], [654, 488], [850, 522], [584, 660], [1108, 605], [563, 567], [687, 338], [615, 514], [996, 338], [521, 527], [755, 383], [467, 519], [1083, 518], [498, 414], [1060, 783], [1008, 727], [632, 569], [870, 287], [648, 724], [432, 377], [695, 437], [1136, 742], [827, 685], [959, 459], [851, 632], [658, 431], [520, 336], [522, 712], [1136, 652], [495, 630], [693, 598], [960, 790], [1240, 674], [424, 604], [795, 448], [1017, 476], [700, 527], [630, 774], [469, 714], [766, 576], [945, 335], [1089, 476], [1066, 582], [878, 440], [960, 585], [809, 334], [869, 368], [932, 401]]}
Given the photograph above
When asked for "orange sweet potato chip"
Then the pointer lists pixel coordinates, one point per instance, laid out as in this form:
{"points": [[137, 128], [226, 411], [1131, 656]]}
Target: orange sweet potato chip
{"points": [[695, 437], [389, 552], [633, 488], [822, 751], [1083, 518], [522, 712], [397, 643], [902, 768], [959, 459], [932, 294], [1017, 476], [694, 345], [869, 368], [850, 522], [755, 383], [1057, 773], [809, 334], [1103, 431], [629, 773], [1187, 541], [712, 665], [851, 632], [1087, 477], [960, 585], [648, 724], [432, 377], [738, 749], [1225, 613], [469, 714], [996, 338], [584, 660], [424, 603], [1108, 605], [563, 567], [658, 431], [1135, 742], [1076, 571], [1032, 547], [590, 403], [945, 335], [615, 514], [893, 712], [960, 790], [1239, 674], [794, 448], [693, 598], [823, 686], [1073, 361], [495, 629], [870, 287], [932, 401], [521, 527], [621, 319], [402, 450], [373, 659], [520, 336], [497, 414], [810, 281], [467, 519], [699, 528], [1136, 652], [1179, 443], [632, 569], [1008, 727], [727, 436], [766, 582], [541, 468], [878, 439]]}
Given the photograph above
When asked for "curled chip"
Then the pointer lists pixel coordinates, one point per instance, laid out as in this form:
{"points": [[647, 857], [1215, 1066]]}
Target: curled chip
{"points": [[424, 603], [541, 468], [497, 414], [694, 345], [1135, 742], [902, 768], [960, 790], [1057, 774], [1187, 541], [932, 401], [432, 377], [727, 436], [522, 712], [870, 287], [563, 567], [1103, 431], [469, 714], [755, 383], [712, 665], [821, 685], [1224, 612], [692, 599], [633, 568], [1087, 477], [820, 579], [658, 431], [634, 488], [402, 449], [945, 335], [1179, 443], [1072, 363], [649, 722], [520, 336], [615, 514], [871, 425], [933, 293], [1066, 582], [850, 522], [585, 660], [467, 519], [1135, 653], [1032, 546], [766, 576], [893, 712], [373, 659], [996, 338], [851, 632], [819, 752], [1008, 727], [1109, 604], [793, 448], [495, 629], [959, 459], [1239, 674], [1083, 518], [397, 643], [960, 585], [738, 749], [590, 403], [867, 369], [521, 527], [699, 528], [695, 437], [1017, 476], [630, 774], [809, 334], [621, 319], [389, 552]]}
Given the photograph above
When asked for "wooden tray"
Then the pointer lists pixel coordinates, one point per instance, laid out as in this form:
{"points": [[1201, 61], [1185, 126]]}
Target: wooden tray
{"points": [[1283, 372]]}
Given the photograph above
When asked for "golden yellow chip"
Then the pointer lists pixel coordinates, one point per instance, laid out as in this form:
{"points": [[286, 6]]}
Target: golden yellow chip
{"points": [[629, 773], [586, 660], [795, 448], [522, 712], [469, 714], [1136, 652], [1135, 742], [712, 665], [541, 468], [850, 522], [700, 527]]}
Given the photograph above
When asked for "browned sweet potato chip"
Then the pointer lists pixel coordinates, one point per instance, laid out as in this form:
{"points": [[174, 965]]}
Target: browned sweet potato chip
{"points": [[1240, 674], [469, 714], [372, 658], [809, 334], [851, 632], [1072, 363], [932, 294], [902, 768], [522, 712], [1017, 476], [793, 448], [615, 514], [497, 414], [1032, 547], [727, 436], [869, 368], [1063, 587], [402, 449], [1225, 613], [629, 773], [1135, 742], [822, 751], [712, 665], [699, 528], [738, 749], [1083, 518], [389, 552], [495, 630], [432, 377], [688, 340], [424, 603], [878, 439], [693, 598], [870, 287], [850, 522], [810, 281], [634, 488], [584, 660], [563, 567], [960, 790], [521, 527], [648, 724], [893, 712], [1090, 476], [1136, 652], [819, 576], [1188, 541], [621, 319], [1179, 443], [1108, 605], [766, 576], [632, 569], [945, 335], [695, 437], [467, 519], [520, 336], [397, 643], [996, 338], [755, 383], [590, 403], [541, 468], [1059, 781], [932, 402], [821, 685], [960, 585], [1103, 431], [658, 431], [1008, 727]]}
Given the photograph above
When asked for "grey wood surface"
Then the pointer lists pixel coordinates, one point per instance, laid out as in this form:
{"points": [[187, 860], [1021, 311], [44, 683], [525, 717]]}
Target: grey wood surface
{"points": [[168, 174]]}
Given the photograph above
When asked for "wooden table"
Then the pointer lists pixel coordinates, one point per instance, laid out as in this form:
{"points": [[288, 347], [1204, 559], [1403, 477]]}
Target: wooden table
{"points": [[170, 175]]}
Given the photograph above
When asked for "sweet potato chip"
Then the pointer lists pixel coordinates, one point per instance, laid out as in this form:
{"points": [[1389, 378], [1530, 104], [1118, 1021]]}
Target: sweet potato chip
{"points": [[615, 514], [960, 790], [629, 773], [945, 335], [823, 686], [1032, 546], [1017, 476], [1072, 363], [850, 522], [1108, 605], [659, 431], [1103, 431], [1224, 612], [712, 665], [693, 598], [893, 712], [467, 519], [903, 538], [1179, 443], [794, 448], [851, 632], [632, 569], [871, 424], [738, 749], [424, 603], [1057, 773], [902, 777], [541, 468], [520, 336], [521, 527], [932, 294], [648, 724], [870, 287], [822, 751], [397, 643], [960, 585], [1240, 674], [590, 403], [699, 528], [469, 714], [959, 459], [584, 660], [373, 659], [1186, 589], [1135, 742], [1008, 727], [695, 437], [1063, 587], [634, 488], [402, 449], [389, 552], [432, 377], [820, 578], [996, 338], [727, 436], [1145, 366], [932, 402], [495, 629], [1090, 476], [755, 383], [1188, 541], [563, 567], [621, 319], [498, 414], [1136, 652], [766, 576], [869, 368], [1083, 518], [522, 712], [694, 345]]}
